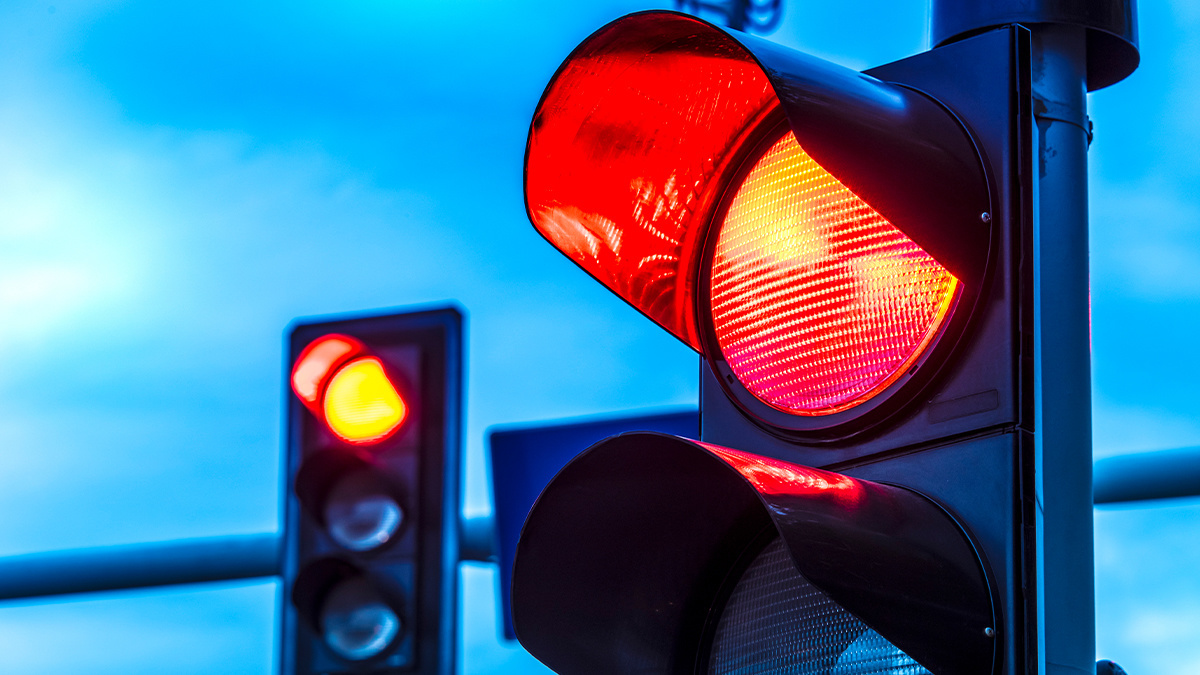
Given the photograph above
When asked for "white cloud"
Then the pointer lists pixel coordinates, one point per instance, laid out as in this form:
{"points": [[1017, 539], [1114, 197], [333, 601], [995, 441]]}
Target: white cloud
{"points": [[65, 253], [1159, 627], [41, 298]]}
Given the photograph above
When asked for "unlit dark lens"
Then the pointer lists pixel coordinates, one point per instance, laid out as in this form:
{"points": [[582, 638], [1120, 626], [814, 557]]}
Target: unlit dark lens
{"points": [[357, 623], [361, 513]]}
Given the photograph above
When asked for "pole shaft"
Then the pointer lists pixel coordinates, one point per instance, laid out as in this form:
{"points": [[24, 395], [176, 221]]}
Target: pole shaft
{"points": [[1067, 589]]}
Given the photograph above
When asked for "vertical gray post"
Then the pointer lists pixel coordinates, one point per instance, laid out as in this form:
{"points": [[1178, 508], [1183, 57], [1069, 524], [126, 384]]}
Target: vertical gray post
{"points": [[1077, 47], [1066, 593]]}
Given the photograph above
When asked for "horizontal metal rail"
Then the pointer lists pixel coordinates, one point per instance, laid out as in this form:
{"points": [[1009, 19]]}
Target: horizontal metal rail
{"points": [[183, 561], [109, 568], [1162, 474], [1127, 478]]}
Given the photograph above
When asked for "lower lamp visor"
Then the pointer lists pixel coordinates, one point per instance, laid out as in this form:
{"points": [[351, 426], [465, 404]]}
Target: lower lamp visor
{"points": [[651, 553]]}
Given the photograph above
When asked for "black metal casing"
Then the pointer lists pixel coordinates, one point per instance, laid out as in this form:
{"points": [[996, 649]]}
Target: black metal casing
{"points": [[1110, 25], [956, 431], [416, 573], [967, 441]]}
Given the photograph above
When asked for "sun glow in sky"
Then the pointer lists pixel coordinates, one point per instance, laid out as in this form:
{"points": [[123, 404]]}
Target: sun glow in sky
{"points": [[179, 180]]}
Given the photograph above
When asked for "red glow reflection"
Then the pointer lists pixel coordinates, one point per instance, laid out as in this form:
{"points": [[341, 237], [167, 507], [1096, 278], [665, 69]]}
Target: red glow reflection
{"points": [[316, 365], [775, 477]]}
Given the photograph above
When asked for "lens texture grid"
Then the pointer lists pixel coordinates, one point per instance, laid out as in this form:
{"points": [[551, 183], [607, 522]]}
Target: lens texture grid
{"points": [[818, 302], [776, 623]]}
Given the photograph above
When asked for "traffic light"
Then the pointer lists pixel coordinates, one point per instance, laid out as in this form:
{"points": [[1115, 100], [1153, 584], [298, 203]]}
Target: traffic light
{"points": [[851, 255], [374, 407]]}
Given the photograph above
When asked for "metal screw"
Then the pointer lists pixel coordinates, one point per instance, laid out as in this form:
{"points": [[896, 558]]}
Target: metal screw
{"points": [[985, 217], [989, 631]]}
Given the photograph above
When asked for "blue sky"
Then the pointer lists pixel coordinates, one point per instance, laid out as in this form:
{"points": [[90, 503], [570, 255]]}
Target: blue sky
{"points": [[180, 180]]}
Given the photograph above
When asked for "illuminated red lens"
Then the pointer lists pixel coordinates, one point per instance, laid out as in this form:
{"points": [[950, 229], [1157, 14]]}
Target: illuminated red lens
{"points": [[316, 364], [626, 150], [818, 302]]}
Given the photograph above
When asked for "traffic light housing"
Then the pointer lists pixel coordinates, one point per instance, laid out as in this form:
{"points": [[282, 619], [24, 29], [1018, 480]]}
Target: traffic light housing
{"points": [[851, 255], [373, 443], [525, 457]]}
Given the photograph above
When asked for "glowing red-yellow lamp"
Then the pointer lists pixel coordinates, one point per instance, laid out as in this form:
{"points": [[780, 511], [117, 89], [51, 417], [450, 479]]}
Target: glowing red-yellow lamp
{"points": [[349, 390], [818, 302]]}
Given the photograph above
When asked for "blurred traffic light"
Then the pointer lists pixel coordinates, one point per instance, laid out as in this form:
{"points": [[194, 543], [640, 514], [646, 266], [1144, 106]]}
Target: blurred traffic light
{"points": [[374, 416], [850, 254]]}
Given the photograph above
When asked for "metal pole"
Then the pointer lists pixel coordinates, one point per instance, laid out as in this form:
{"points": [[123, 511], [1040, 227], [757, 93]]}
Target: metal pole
{"points": [[1066, 594], [182, 561], [477, 539], [1149, 475], [1063, 71], [109, 568]]}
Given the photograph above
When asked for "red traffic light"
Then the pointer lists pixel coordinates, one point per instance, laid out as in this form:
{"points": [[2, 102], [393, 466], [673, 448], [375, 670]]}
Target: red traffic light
{"points": [[815, 233], [371, 530], [857, 270]]}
